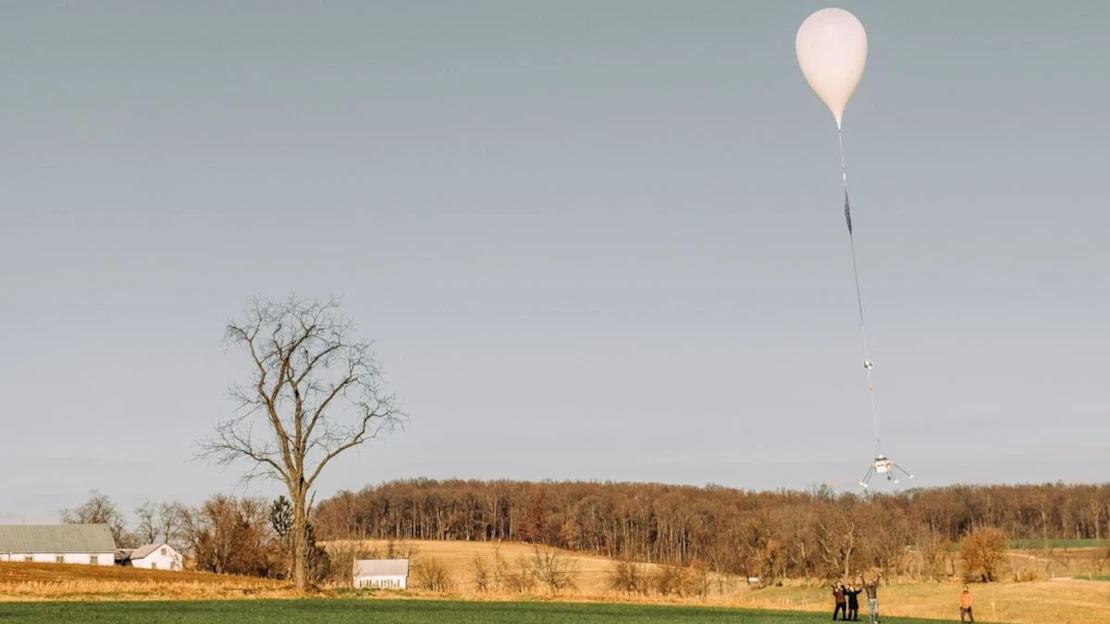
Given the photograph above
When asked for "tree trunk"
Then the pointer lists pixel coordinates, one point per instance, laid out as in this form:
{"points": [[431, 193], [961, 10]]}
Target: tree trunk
{"points": [[300, 533]]}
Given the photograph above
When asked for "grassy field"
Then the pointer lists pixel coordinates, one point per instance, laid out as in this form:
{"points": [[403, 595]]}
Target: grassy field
{"points": [[1052, 544], [112, 593], [1058, 544], [391, 612]]}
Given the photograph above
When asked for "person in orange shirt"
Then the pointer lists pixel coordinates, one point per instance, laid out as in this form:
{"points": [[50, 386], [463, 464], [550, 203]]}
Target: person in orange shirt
{"points": [[965, 605]]}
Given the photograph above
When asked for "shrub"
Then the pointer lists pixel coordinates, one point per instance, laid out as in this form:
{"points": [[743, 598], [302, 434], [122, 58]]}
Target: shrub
{"points": [[983, 552], [482, 575], [523, 580], [553, 569], [433, 576], [669, 580], [629, 577]]}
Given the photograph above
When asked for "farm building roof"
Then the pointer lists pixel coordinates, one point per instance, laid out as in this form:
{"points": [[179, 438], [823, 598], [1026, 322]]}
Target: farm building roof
{"points": [[381, 567], [59, 538], [143, 551]]}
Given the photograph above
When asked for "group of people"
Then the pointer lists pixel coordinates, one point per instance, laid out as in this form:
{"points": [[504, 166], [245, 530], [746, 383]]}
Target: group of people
{"points": [[847, 601]]}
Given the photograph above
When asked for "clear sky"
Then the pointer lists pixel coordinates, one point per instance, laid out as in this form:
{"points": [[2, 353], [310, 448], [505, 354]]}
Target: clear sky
{"points": [[592, 240]]}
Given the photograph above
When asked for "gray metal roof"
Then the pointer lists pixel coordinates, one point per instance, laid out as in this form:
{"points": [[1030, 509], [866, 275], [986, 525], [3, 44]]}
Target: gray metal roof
{"points": [[381, 567], [57, 538], [143, 551]]}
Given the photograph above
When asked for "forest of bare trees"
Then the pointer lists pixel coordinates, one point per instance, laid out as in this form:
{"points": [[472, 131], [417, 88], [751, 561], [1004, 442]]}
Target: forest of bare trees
{"points": [[773, 535]]}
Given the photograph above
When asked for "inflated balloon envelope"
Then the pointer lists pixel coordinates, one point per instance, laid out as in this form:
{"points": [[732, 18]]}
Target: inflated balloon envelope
{"points": [[832, 51]]}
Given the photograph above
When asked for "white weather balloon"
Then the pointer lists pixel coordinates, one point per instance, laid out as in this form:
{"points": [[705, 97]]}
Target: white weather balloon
{"points": [[832, 51]]}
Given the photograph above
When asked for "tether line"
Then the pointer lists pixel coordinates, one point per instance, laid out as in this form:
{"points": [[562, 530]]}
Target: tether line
{"points": [[859, 294]]}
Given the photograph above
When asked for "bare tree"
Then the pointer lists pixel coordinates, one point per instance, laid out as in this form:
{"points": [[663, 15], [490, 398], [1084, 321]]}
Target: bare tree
{"points": [[101, 509], [160, 523], [171, 522], [314, 391], [552, 568], [481, 575], [229, 535], [147, 529], [1102, 559], [838, 542], [499, 568], [933, 549]]}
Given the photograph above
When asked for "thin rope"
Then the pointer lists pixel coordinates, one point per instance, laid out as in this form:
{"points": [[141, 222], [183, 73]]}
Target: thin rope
{"points": [[859, 293]]}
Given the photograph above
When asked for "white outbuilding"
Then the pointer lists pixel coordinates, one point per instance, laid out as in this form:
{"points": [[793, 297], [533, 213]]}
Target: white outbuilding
{"points": [[381, 573], [88, 544], [153, 557]]}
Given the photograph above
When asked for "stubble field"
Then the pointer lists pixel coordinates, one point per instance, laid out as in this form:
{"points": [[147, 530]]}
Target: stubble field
{"points": [[126, 594]]}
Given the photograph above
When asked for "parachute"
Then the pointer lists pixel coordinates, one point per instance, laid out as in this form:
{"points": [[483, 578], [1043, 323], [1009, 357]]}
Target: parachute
{"points": [[831, 45]]}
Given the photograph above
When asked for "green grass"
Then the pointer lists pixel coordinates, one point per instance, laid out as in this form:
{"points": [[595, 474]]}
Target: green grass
{"points": [[1058, 543], [345, 611], [1043, 544], [1084, 577]]}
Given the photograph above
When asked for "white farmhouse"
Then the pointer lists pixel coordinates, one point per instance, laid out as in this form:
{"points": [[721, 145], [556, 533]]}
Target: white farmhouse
{"points": [[382, 573], [153, 557], [88, 544]]}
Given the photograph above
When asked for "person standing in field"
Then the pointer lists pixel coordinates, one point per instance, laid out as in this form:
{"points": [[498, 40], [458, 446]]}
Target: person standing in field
{"points": [[965, 605], [853, 602], [872, 589], [841, 606]]}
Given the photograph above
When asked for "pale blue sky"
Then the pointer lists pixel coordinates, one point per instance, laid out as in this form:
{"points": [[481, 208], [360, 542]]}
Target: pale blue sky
{"points": [[593, 240]]}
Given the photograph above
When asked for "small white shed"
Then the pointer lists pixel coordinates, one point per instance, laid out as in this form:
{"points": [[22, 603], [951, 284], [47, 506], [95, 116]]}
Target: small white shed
{"points": [[381, 573], [154, 557]]}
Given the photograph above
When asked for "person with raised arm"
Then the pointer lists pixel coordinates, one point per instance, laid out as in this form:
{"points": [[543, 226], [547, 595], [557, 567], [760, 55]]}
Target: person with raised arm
{"points": [[872, 589]]}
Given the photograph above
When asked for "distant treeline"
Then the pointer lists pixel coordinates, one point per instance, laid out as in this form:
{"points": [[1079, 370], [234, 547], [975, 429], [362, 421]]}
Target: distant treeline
{"points": [[771, 534]]}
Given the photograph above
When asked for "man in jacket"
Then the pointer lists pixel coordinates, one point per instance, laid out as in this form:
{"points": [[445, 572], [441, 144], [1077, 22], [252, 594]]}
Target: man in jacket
{"points": [[841, 606], [872, 589]]}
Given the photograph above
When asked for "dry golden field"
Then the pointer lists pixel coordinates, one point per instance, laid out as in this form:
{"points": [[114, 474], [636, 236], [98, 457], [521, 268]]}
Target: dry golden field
{"points": [[1036, 602], [1040, 601], [589, 573], [1059, 601], [49, 581]]}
